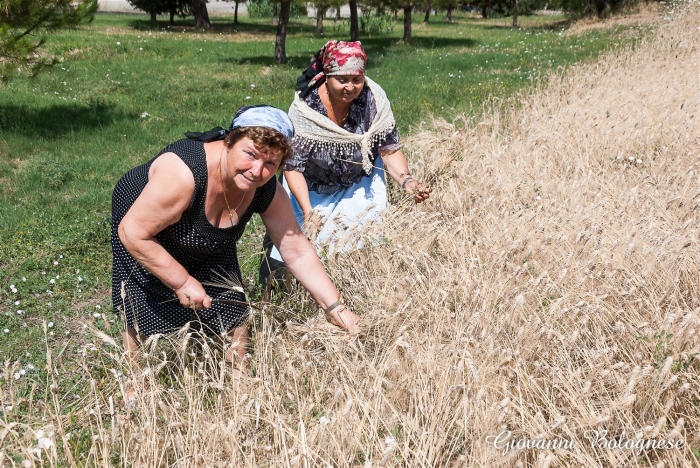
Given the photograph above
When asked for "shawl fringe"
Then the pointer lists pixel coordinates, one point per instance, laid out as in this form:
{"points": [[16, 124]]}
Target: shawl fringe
{"points": [[313, 130]]}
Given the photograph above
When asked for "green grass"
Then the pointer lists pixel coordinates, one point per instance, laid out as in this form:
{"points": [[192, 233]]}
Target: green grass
{"points": [[127, 87]]}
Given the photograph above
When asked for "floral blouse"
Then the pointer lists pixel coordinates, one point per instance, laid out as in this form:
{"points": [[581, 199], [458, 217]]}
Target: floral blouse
{"points": [[323, 171]]}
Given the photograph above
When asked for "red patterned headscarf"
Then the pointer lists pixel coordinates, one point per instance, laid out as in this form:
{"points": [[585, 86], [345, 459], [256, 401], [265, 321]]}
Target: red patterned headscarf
{"points": [[334, 58], [344, 58]]}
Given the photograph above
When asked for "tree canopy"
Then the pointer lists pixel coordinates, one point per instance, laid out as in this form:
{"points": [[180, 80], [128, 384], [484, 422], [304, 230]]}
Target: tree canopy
{"points": [[23, 24]]}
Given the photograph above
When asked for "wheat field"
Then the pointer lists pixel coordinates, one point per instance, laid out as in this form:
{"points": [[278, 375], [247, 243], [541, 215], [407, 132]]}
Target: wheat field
{"points": [[550, 288]]}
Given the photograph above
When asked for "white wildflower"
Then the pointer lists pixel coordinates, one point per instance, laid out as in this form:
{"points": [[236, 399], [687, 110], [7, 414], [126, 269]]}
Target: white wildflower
{"points": [[52, 281], [50, 325], [143, 116], [6, 330], [98, 306], [247, 97], [55, 262], [24, 279]]}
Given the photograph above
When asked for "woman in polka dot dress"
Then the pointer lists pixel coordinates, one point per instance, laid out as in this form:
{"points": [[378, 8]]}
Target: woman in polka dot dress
{"points": [[176, 221]]}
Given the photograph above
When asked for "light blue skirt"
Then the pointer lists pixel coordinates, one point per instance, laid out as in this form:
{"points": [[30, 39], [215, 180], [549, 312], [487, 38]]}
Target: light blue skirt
{"points": [[344, 212]]}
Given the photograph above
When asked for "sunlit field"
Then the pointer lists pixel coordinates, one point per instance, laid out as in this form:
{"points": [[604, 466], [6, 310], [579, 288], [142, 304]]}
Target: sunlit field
{"points": [[549, 287]]}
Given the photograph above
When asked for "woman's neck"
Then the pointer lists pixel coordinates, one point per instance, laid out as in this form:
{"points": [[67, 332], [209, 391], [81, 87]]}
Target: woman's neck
{"points": [[337, 110]]}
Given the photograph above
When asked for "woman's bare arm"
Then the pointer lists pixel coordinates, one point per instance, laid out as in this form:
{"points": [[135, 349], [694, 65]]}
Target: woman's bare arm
{"points": [[161, 203], [298, 187], [396, 166], [301, 259]]}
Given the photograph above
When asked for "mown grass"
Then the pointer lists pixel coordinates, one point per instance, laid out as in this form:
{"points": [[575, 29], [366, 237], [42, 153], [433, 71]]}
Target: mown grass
{"points": [[127, 87]]}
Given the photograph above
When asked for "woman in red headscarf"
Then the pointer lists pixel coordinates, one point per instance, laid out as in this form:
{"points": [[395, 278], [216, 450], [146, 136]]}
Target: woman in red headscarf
{"points": [[345, 142]]}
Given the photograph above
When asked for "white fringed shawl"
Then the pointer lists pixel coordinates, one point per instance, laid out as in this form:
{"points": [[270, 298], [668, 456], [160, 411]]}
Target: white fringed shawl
{"points": [[312, 129]]}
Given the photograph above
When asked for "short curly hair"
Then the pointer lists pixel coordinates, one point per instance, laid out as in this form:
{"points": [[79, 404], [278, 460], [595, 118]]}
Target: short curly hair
{"points": [[265, 139]]}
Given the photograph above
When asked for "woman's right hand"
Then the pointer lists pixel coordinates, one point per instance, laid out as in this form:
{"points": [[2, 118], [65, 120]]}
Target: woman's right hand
{"points": [[345, 318], [312, 224], [192, 295]]}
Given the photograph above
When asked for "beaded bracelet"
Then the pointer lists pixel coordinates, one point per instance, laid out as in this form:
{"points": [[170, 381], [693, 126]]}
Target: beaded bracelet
{"points": [[403, 185]]}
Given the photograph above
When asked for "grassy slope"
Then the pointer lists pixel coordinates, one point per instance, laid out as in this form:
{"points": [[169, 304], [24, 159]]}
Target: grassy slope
{"points": [[126, 88]]}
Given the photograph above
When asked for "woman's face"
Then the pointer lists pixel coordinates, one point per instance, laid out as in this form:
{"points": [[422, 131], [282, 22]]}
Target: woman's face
{"points": [[344, 88], [250, 168]]}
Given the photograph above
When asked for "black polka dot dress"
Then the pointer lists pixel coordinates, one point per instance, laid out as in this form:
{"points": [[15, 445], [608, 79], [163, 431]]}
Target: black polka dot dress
{"points": [[204, 250]]}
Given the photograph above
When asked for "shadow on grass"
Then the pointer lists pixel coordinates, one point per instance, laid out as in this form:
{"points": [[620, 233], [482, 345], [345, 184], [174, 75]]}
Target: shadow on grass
{"points": [[57, 120], [557, 25], [221, 25], [374, 46]]}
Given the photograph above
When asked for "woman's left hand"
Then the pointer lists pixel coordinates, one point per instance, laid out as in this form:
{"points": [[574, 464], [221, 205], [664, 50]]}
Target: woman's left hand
{"points": [[419, 191]]}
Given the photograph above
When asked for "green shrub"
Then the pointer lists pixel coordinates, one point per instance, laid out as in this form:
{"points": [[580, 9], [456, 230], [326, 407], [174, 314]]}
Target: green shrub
{"points": [[265, 9], [374, 25]]}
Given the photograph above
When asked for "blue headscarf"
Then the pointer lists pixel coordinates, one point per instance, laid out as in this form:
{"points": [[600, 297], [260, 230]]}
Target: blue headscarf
{"points": [[261, 115]]}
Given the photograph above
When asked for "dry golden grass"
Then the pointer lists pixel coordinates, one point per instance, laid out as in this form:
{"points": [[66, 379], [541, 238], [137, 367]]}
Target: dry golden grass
{"points": [[530, 294]]}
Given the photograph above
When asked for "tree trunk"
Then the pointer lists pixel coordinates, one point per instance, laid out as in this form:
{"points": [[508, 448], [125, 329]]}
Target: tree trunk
{"points": [[427, 14], [515, 13], [483, 12], [201, 16], [281, 39], [172, 16], [337, 13], [235, 14], [354, 27], [396, 14], [450, 8], [407, 23], [319, 20], [274, 14], [153, 15], [600, 8]]}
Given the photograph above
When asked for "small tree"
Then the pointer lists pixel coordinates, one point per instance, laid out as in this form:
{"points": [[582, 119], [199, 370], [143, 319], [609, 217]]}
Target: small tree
{"points": [[354, 25], [281, 38], [201, 15], [235, 13], [23, 24], [450, 9], [321, 7], [158, 7], [152, 7], [407, 9]]}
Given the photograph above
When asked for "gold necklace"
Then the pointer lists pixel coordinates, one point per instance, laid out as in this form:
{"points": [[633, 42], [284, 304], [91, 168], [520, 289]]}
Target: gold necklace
{"points": [[223, 189]]}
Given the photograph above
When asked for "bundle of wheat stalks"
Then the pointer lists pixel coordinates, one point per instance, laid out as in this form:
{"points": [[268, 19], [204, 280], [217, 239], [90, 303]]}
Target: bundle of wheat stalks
{"points": [[549, 288]]}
